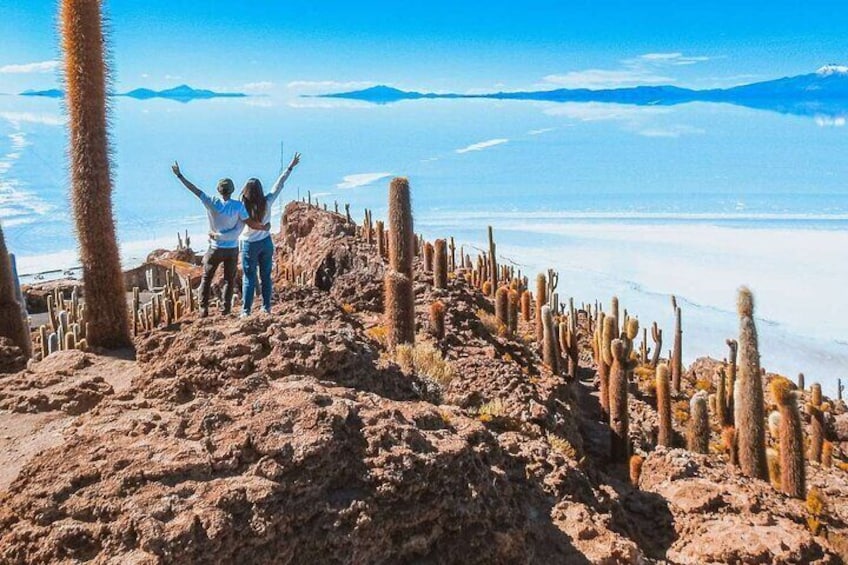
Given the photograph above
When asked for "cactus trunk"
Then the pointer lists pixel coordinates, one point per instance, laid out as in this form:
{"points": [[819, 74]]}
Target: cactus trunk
{"points": [[677, 352], [12, 324], [748, 395], [699, 424], [619, 421], [792, 477], [440, 264], [91, 183]]}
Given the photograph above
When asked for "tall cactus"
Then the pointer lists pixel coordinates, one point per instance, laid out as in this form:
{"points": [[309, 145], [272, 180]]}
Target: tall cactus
{"points": [[541, 294], [401, 231], [550, 353], [428, 257], [512, 312], [656, 335], [607, 335], [437, 319], [502, 307], [816, 432], [619, 420], [493, 262], [399, 296], [721, 399], [440, 264], [91, 182], [792, 479], [525, 306], [730, 385], [748, 394], [12, 325], [699, 424], [677, 352], [664, 436]]}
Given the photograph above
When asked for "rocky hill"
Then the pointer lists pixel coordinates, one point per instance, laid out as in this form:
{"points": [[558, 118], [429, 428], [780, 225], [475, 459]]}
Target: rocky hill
{"points": [[296, 437]]}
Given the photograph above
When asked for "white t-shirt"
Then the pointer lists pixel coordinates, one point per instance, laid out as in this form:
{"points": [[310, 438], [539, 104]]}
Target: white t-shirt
{"points": [[226, 218], [250, 235]]}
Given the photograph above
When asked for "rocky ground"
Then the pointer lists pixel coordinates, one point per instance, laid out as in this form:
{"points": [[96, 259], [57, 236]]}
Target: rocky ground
{"points": [[296, 438]]}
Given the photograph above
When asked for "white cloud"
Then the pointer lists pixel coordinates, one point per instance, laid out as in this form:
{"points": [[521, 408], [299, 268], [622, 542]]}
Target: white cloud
{"points": [[830, 121], [670, 131], [482, 145], [361, 179], [671, 59], [598, 111], [646, 69], [600, 78], [259, 86], [173, 77], [327, 85], [540, 131], [27, 68], [17, 118]]}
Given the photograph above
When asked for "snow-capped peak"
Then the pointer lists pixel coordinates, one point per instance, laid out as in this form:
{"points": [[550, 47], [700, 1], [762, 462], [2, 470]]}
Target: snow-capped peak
{"points": [[828, 70]]}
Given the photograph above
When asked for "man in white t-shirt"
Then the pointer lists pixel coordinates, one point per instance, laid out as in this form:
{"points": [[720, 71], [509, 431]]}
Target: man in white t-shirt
{"points": [[227, 217]]}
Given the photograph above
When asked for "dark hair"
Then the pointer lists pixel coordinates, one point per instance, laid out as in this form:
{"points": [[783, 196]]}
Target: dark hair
{"points": [[254, 199], [226, 186]]}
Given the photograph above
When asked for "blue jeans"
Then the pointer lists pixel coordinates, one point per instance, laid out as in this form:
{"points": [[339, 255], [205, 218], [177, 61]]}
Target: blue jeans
{"points": [[256, 254]]}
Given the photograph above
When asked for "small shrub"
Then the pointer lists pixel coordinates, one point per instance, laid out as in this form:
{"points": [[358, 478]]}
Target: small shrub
{"points": [[562, 445], [378, 334], [490, 410], [348, 308], [425, 361]]}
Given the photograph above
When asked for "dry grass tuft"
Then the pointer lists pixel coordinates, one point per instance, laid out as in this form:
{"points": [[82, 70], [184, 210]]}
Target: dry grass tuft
{"points": [[425, 361]]}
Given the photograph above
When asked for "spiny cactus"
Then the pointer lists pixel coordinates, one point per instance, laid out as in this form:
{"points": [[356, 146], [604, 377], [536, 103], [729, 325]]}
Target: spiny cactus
{"points": [[541, 294], [614, 311], [493, 263], [636, 462], [12, 324], [440, 264], [792, 479], [381, 236], [91, 183], [816, 394], [428, 257], [401, 231], [801, 382], [677, 352], [816, 432], [748, 394], [663, 388], [525, 306], [437, 319], [698, 434], [619, 420], [502, 306], [827, 455], [728, 439], [550, 353], [399, 309], [733, 347], [656, 335], [608, 334], [487, 288], [721, 398], [512, 312]]}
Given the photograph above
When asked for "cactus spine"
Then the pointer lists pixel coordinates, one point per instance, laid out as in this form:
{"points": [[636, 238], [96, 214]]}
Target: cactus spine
{"points": [[440, 264], [12, 324], [399, 297], [677, 352], [619, 421], [699, 424], [91, 183], [792, 479], [748, 394]]}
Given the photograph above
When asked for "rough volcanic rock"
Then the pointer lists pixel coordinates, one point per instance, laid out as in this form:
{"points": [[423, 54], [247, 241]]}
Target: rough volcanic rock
{"points": [[12, 359], [36, 294], [186, 254], [719, 516], [59, 383]]}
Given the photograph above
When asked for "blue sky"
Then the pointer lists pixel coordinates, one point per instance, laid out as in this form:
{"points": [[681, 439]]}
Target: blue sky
{"points": [[287, 47]]}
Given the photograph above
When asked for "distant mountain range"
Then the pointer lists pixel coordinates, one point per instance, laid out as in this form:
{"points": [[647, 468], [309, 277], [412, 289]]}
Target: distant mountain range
{"points": [[182, 93], [823, 93]]}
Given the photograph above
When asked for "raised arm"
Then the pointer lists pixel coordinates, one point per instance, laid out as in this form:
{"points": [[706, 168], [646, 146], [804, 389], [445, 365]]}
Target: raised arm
{"points": [[196, 191], [281, 180]]}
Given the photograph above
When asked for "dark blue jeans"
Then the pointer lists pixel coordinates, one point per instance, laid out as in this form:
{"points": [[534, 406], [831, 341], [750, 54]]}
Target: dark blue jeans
{"points": [[256, 254]]}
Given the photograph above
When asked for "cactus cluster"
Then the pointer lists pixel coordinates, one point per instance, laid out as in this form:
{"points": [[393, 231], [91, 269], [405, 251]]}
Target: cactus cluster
{"points": [[67, 326], [168, 304]]}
